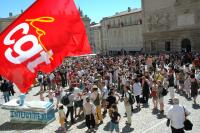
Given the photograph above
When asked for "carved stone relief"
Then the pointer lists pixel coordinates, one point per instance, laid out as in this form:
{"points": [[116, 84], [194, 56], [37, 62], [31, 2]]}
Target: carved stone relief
{"points": [[158, 22]]}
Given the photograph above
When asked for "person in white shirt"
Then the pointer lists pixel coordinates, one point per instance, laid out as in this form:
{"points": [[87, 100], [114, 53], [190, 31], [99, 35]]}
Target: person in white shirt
{"points": [[70, 106], [137, 91], [85, 95], [123, 80], [50, 79], [89, 113], [104, 97], [176, 115]]}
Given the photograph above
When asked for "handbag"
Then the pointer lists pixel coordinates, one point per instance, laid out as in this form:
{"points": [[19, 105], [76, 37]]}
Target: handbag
{"points": [[97, 100], [187, 123], [131, 99], [168, 122], [164, 92]]}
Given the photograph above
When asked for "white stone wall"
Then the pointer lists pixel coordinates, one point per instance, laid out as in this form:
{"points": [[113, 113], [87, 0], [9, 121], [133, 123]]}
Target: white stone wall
{"points": [[122, 32], [4, 23], [95, 36], [128, 37], [97, 40], [104, 35]]}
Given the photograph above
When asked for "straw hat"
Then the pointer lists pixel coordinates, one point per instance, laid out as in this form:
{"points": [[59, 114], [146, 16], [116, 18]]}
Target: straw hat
{"points": [[60, 105], [95, 86]]}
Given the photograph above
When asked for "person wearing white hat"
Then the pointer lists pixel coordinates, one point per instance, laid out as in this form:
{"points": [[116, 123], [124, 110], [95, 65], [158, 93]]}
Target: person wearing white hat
{"points": [[95, 97]]}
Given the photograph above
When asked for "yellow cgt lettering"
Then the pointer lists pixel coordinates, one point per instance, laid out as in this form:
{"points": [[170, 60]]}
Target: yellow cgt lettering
{"points": [[39, 31]]}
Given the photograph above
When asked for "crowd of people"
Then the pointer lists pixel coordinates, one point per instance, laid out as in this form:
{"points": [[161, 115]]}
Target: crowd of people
{"points": [[95, 86]]}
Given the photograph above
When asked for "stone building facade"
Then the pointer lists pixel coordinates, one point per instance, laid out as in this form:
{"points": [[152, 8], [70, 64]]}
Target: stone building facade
{"points": [[95, 36], [122, 32], [5, 22], [171, 25]]}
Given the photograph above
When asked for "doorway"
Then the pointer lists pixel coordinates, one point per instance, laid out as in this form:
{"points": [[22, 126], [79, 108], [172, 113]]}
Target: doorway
{"points": [[186, 45]]}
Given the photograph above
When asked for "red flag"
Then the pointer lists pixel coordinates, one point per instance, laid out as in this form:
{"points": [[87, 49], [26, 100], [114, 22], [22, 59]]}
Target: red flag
{"points": [[39, 40]]}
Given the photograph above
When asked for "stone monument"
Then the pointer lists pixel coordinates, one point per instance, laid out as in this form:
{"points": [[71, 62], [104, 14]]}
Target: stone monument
{"points": [[36, 112]]}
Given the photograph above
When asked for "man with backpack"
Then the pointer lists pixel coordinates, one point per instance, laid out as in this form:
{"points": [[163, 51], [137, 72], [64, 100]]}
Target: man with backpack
{"points": [[68, 100]]}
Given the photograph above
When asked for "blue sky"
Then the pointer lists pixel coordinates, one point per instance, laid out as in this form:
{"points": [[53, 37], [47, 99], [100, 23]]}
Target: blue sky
{"points": [[95, 9]]}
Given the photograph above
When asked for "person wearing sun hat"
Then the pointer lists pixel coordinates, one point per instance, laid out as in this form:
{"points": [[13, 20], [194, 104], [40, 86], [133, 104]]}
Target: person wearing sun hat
{"points": [[96, 98]]}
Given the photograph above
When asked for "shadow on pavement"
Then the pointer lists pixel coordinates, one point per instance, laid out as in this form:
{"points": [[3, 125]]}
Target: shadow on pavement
{"points": [[107, 127], [82, 125], [155, 111], [80, 119], [61, 131], [8, 126], [127, 129], [68, 125], [170, 102], [136, 110], [161, 116], [37, 94], [145, 105], [196, 106]]}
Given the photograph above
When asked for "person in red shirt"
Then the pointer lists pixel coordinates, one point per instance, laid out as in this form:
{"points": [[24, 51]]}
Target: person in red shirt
{"points": [[57, 79]]}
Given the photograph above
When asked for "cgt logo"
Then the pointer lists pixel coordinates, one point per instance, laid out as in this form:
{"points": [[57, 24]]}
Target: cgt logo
{"points": [[37, 46]]}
